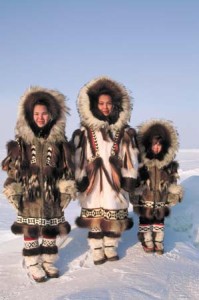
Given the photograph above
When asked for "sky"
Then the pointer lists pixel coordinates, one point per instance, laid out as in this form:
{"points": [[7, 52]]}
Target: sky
{"points": [[136, 275], [151, 47]]}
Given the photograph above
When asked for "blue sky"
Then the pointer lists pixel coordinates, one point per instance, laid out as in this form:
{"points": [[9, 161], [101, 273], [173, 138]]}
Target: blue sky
{"points": [[152, 47]]}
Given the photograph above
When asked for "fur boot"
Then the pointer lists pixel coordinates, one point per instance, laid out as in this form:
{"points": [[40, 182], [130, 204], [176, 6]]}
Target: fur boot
{"points": [[97, 248], [110, 248], [48, 265], [158, 235], [145, 237], [34, 268]]}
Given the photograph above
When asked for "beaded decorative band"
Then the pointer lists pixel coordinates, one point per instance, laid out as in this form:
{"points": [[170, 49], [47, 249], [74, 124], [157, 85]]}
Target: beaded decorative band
{"points": [[120, 214], [144, 228], [31, 244], [158, 227], [151, 204], [48, 242], [40, 221]]}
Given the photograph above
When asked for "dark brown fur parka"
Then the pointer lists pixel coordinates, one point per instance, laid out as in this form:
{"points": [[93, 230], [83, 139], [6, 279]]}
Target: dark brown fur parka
{"points": [[39, 166]]}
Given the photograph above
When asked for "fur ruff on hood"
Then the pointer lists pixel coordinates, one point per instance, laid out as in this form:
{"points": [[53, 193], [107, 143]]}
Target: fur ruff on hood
{"points": [[56, 106], [120, 98], [169, 135]]}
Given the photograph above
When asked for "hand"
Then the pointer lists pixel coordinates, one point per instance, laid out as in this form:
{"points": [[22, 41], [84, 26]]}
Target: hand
{"points": [[15, 201], [64, 200], [173, 199], [134, 199]]}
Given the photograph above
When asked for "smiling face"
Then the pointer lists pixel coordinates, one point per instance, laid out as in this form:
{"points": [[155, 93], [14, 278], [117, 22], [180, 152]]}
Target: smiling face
{"points": [[156, 148], [41, 115], [105, 104]]}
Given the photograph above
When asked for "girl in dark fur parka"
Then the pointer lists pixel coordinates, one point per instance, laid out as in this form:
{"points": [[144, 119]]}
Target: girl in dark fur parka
{"points": [[40, 180], [105, 165], [157, 182]]}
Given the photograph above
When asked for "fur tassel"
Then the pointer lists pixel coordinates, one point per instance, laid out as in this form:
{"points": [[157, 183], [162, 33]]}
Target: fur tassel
{"points": [[116, 172], [92, 169]]}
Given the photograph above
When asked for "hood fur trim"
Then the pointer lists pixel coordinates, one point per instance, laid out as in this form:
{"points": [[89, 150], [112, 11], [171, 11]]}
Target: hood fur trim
{"points": [[56, 102], [83, 104], [170, 136]]}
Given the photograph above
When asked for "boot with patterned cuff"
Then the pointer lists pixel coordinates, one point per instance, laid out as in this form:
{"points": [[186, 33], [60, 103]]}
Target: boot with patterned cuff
{"points": [[32, 259], [49, 256], [146, 238], [158, 235]]}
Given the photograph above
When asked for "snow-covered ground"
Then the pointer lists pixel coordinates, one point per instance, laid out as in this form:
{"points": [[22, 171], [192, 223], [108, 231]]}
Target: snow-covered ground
{"points": [[137, 275]]}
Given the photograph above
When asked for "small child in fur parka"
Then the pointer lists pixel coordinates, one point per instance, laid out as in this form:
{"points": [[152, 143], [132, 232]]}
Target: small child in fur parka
{"points": [[157, 187]]}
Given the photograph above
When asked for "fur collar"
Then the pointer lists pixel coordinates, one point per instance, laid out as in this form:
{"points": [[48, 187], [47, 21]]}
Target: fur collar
{"points": [[119, 92], [170, 136], [58, 110]]}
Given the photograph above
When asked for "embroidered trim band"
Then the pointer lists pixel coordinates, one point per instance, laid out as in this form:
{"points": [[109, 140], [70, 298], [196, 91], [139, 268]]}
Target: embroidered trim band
{"points": [[151, 204], [31, 244], [144, 228], [158, 228], [48, 242], [40, 221], [104, 213]]}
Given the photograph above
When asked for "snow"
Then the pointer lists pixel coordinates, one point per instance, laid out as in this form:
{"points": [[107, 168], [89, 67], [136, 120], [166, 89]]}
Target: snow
{"points": [[137, 275]]}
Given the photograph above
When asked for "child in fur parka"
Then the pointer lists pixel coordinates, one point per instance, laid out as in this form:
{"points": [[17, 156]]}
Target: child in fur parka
{"points": [[157, 188], [40, 181], [105, 165]]}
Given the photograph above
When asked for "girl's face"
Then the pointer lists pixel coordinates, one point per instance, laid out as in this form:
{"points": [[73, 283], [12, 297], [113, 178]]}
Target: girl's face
{"points": [[156, 148], [41, 115], [105, 104]]}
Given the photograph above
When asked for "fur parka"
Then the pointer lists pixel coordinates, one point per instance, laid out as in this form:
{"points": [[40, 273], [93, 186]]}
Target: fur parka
{"points": [[157, 187], [105, 157], [40, 167]]}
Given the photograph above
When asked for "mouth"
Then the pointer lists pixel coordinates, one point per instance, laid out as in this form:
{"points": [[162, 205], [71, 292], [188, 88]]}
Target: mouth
{"points": [[40, 123]]}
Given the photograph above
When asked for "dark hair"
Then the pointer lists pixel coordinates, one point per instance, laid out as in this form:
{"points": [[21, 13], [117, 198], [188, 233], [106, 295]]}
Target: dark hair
{"points": [[116, 109], [157, 139], [42, 101]]}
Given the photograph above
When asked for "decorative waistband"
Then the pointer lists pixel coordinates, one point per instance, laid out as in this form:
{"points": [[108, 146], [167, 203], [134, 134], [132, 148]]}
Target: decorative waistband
{"points": [[151, 204], [40, 221], [108, 214]]}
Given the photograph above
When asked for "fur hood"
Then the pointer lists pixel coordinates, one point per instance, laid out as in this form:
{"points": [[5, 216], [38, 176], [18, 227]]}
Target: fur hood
{"points": [[170, 142], [87, 104], [55, 101]]}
